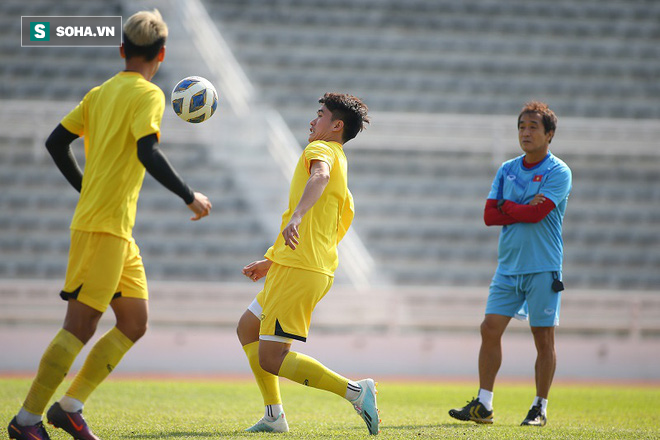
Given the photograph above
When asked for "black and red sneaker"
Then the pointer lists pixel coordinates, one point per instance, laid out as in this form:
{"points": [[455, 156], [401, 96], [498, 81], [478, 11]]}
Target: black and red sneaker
{"points": [[32, 432], [71, 422]]}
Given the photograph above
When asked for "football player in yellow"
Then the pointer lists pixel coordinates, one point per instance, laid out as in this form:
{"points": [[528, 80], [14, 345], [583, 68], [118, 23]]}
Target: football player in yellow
{"points": [[299, 269], [120, 122]]}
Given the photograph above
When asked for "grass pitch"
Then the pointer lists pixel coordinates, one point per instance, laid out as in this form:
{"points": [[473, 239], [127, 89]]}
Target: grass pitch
{"points": [[213, 409]]}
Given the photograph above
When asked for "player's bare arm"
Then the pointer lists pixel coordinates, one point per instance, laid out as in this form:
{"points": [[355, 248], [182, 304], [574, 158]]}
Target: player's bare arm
{"points": [[318, 180], [257, 269]]}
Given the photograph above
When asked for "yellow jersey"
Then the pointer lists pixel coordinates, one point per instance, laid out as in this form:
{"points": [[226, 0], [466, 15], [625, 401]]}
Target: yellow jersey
{"points": [[112, 118], [326, 223]]}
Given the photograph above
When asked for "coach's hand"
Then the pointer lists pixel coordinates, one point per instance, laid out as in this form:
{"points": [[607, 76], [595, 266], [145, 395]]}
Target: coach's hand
{"points": [[257, 269], [201, 206], [537, 200]]}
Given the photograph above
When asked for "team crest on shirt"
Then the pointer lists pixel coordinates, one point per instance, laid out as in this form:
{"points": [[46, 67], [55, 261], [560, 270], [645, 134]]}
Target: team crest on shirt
{"points": [[537, 178]]}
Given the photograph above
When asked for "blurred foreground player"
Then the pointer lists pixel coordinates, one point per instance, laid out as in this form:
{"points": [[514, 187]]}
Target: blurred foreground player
{"points": [[120, 121], [299, 270], [528, 199]]}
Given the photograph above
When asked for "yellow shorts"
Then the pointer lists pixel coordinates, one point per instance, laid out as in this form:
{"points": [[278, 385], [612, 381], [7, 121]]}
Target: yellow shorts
{"points": [[103, 267], [288, 300]]}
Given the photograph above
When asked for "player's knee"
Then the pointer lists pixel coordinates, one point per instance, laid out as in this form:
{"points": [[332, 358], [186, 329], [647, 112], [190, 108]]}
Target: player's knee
{"points": [[270, 364], [247, 329], [265, 364], [544, 338], [241, 330], [84, 334], [134, 331], [244, 336], [485, 329], [140, 331], [490, 331], [83, 330]]}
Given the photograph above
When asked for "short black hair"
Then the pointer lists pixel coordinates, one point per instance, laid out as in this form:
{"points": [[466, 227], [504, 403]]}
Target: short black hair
{"points": [[349, 109], [547, 116]]}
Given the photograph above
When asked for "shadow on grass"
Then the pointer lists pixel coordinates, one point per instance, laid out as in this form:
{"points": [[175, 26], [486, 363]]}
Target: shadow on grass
{"points": [[434, 426], [184, 434]]}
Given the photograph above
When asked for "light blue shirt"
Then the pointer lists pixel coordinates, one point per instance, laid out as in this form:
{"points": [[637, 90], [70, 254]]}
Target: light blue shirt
{"points": [[532, 247]]}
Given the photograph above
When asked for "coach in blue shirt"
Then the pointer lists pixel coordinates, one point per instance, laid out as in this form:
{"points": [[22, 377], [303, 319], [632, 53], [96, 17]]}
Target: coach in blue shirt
{"points": [[528, 199]]}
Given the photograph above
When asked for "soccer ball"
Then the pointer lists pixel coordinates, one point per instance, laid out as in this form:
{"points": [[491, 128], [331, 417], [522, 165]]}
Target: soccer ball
{"points": [[194, 99]]}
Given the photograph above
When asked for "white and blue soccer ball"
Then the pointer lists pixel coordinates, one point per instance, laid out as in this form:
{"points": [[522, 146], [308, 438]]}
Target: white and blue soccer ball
{"points": [[194, 99]]}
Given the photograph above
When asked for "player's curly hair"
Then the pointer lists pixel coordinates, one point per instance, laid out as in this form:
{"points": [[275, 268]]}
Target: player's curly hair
{"points": [[349, 109], [548, 116], [145, 33]]}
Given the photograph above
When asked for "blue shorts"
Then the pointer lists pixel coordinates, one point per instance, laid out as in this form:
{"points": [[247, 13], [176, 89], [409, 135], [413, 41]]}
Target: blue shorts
{"points": [[511, 293]]}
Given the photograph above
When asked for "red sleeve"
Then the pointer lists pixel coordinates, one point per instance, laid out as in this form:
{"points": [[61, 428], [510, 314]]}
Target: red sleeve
{"points": [[528, 213], [493, 217]]}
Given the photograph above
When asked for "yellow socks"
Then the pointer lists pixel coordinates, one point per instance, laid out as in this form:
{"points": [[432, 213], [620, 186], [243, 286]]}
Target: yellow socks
{"points": [[55, 364], [308, 371], [102, 359], [269, 384]]}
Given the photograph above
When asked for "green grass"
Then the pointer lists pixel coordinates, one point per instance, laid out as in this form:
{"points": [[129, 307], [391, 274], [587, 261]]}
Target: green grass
{"points": [[212, 409]]}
